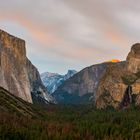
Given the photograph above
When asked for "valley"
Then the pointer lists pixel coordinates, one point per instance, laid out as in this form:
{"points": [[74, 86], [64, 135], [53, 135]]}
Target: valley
{"points": [[71, 123], [69, 69], [100, 102]]}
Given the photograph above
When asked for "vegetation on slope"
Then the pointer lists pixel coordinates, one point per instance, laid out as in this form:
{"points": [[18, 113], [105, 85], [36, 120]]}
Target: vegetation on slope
{"points": [[14, 105], [21, 121], [72, 123]]}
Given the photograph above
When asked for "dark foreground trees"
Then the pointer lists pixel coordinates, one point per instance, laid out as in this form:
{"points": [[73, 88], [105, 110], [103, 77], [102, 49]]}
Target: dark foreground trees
{"points": [[72, 123]]}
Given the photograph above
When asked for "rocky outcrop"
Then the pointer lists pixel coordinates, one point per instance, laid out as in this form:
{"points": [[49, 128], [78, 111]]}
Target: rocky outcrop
{"points": [[80, 88], [117, 78], [110, 86], [133, 59], [17, 74]]}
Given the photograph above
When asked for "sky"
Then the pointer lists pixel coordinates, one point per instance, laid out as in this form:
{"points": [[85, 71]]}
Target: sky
{"points": [[72, 34]]}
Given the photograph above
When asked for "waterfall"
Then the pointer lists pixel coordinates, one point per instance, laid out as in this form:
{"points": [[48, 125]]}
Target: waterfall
{"points": [[127, 98]]}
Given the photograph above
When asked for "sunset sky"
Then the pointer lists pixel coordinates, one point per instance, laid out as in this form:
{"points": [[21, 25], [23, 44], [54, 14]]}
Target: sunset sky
{"points": [[72, 34]]}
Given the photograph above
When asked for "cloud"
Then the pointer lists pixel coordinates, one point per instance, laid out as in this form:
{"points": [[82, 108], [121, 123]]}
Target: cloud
{"points": [[73, 32]]}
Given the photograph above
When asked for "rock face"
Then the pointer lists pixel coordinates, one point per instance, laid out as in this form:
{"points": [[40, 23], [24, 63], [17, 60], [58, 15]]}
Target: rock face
{"points": [[53, 80], [106, 84], [13, 72], [127, 98], [110, 86], [133, 59], [17, 74], [37, 87], [118, 78], [80, 88]]}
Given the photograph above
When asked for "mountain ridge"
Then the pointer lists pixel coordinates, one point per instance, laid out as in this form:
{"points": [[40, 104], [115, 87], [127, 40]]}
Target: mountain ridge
{"points": [[81, 86], [53, 80]]}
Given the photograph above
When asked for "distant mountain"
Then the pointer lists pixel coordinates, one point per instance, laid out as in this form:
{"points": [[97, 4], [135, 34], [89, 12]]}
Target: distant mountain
{"points": [[109, 84], [81, 88], [17, 74], [53, 80]]}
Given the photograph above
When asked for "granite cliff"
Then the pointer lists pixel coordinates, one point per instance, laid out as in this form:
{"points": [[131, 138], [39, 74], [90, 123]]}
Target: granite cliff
{"points": [[105, 85], [118, 78], [17, 74], [81, 88]]}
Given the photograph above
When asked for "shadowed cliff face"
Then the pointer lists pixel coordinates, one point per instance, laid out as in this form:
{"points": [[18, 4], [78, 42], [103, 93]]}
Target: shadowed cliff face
{"points": [[36, 85], [113, 84], [127, 98], [17, 74]]}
